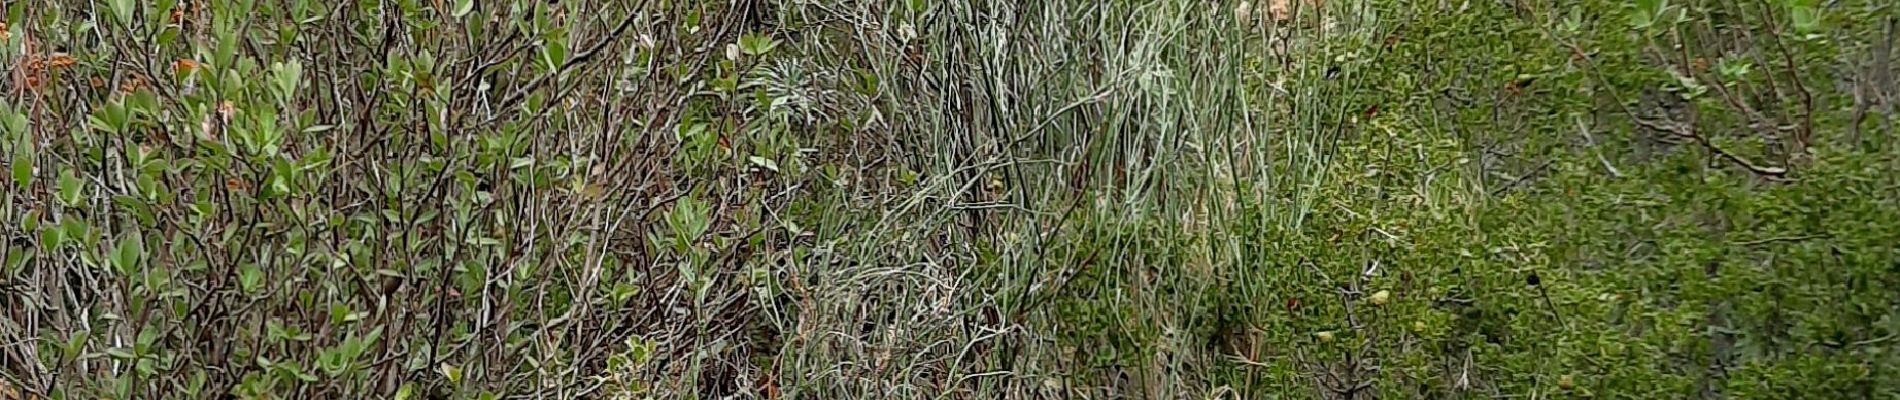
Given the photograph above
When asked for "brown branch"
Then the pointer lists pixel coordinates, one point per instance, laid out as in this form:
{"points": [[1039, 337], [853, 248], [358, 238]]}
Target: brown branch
{"points": [[583, 57], [1684, 132], [1807, 98]]}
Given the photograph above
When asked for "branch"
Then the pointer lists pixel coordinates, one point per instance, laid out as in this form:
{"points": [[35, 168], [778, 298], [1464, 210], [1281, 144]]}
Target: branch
{"points": [[1592, 141], [1527, 176], [1684, 132], [1758, 242], [585, 56]]}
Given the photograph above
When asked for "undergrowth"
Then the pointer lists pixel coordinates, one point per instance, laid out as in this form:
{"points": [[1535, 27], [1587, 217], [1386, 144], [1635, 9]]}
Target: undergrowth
{"points": [[949, 199]]}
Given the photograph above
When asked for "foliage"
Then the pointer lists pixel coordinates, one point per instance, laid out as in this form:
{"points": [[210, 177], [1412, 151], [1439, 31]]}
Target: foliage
{"points": [[948, 199]]}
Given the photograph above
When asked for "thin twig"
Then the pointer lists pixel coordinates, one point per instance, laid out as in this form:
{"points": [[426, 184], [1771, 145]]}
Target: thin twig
{"points": [[1758, 242]]}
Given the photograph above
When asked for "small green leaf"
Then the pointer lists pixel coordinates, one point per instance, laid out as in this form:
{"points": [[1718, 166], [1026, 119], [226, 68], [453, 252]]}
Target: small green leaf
{"points": [[1734, 69], [250, 279], [555, 54], [11, 122], [1647, 13], [463, 7], [338, 311], [120, 353], [763, 162], [1806, 18], [128, 253], [75, 228], [226, 47], [74, 344], [22, 165], [51, 237], [71, 188], [406, 392], [1691, 88], [122, 9], [452, 372], [288, 76], [755, 44]]}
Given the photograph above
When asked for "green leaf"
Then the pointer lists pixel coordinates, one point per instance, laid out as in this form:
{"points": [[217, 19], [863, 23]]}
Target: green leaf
{"points": [[1734, 69], [227, 46], [23, 164], [71, 188], [755, 44], [75, 228], [763, 162], [52, 237], [463, 7], [12, 123], [74, 344], [1691, 88], [120, 353], [1647, 13], [337, 312], [250, 278], [452, 372], [406, 392], [1806, 18], [288, 76], [555, 54], [128, 253], [122, 9]]}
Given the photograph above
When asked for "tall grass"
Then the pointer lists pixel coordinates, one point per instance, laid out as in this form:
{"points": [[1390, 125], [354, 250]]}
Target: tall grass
{"points": [[1047, 138]]}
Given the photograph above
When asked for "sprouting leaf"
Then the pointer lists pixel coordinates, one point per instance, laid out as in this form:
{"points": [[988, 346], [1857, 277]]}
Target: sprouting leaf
{"points": [[452, 372], [755, 44], [1734, 69], [288, 75]]}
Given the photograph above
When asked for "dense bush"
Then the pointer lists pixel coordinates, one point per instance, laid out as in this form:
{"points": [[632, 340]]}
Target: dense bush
{"points": [[949, 199]]}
